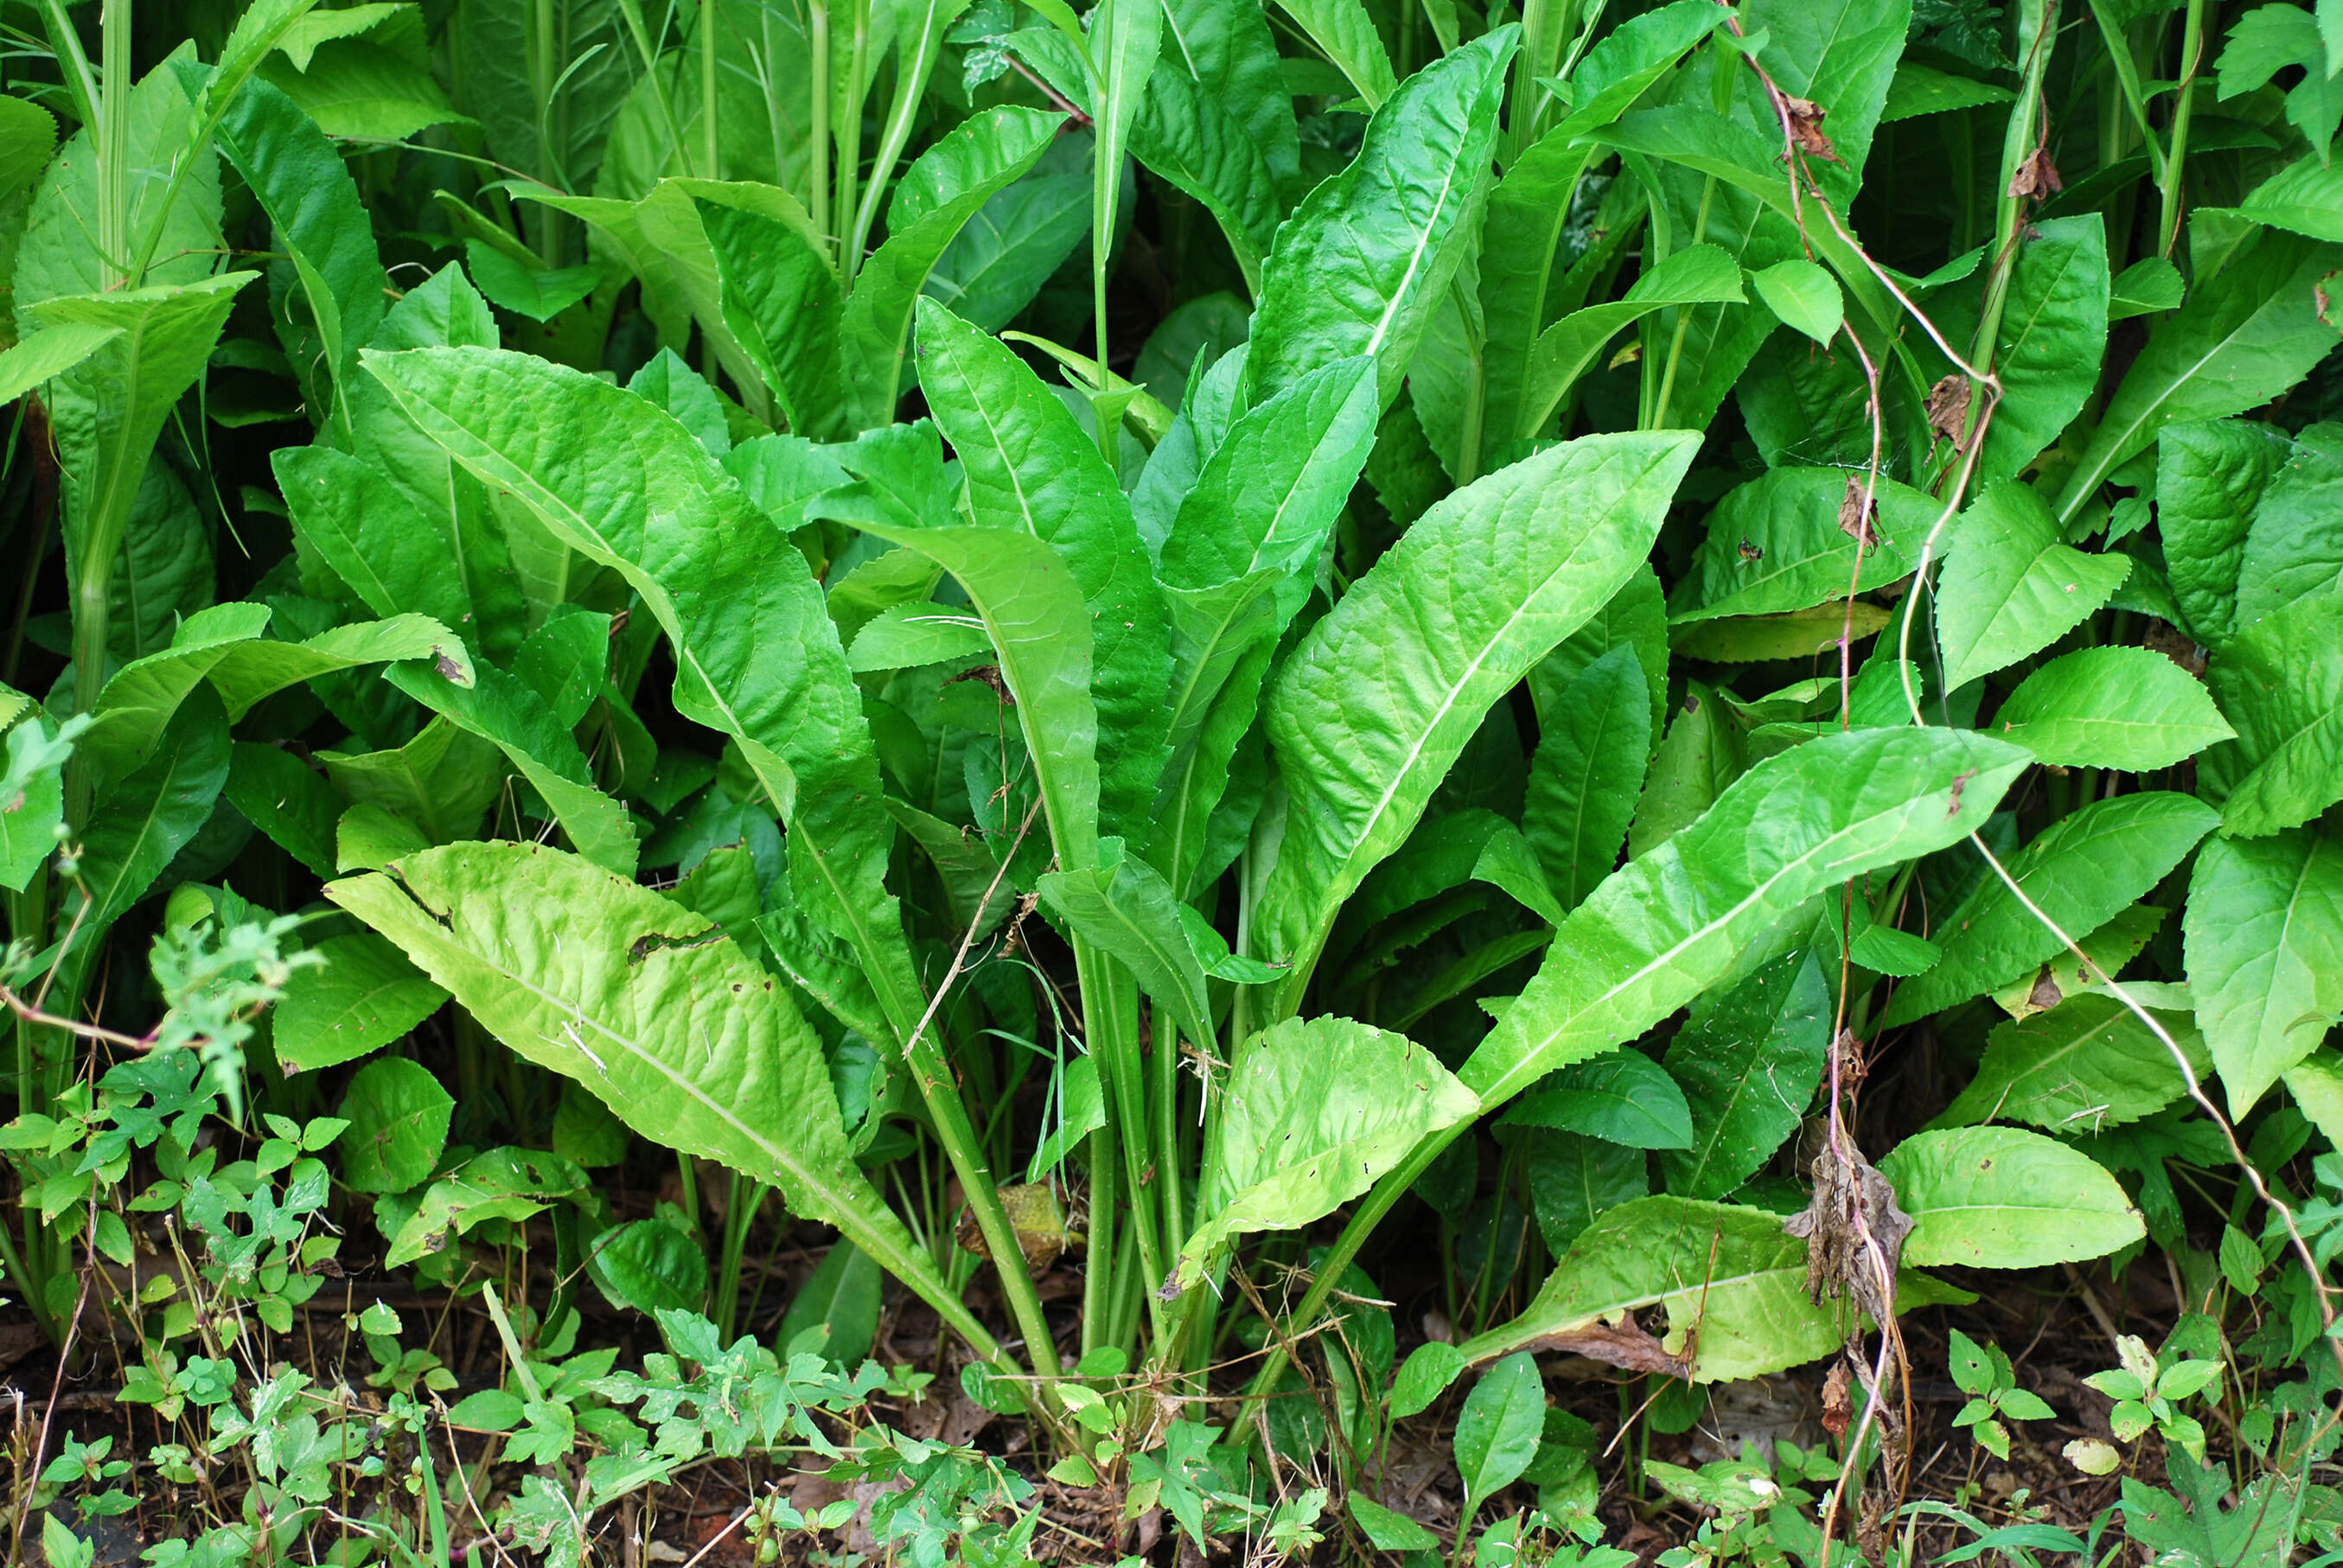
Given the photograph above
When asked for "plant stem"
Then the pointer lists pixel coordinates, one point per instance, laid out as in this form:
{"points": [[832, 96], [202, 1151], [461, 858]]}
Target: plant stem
{"points": [[818, 141], [2168, 189], [850, 137], [712, 155]]}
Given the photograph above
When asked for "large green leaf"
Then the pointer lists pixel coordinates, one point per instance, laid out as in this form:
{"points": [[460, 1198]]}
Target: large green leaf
{"points": [[2126, 708], [1361, 265], [1594, 745], [2210, 478], [1623, 1098], [441, 781], [1671, 924], [2264, 935], [1030, 467], [148, 817], [1379, 700], [1231, 54], [2280, 681], [1314, 1111], [756, 655], [653, 1009], [1346, 34], [933, 201], [1729, 1272], [2054, 331], [296, 175], [1518, 241], [2012, 586], [2229, 348], [780, 303], [2002, 1198], [1749, 1061], [31, 792], [2080, 871], [381, 545], [2085, 1064], [1776, 543], [1187, 136]]}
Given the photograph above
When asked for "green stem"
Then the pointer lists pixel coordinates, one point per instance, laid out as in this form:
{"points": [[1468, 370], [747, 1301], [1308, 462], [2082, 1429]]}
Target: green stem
{"points": [[1098, 1277], [712, 155], [1164, 1102], [746, 1197], [2018, 146], [2192, 53], [114, 141], [1111, 1025], [849, 135], [818, 141]]}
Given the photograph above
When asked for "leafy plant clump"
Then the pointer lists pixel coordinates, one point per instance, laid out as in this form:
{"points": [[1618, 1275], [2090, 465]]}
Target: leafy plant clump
{"points": [[920, 763]]}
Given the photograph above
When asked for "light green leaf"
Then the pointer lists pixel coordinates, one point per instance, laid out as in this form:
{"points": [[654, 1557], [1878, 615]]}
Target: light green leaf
{"points": [[1518, 241], [1920, 90], [1775, 544], [1704, 752], [2085, 1064], [368, 839], [31, 794], [2226, 351], [2280, 680], [1731, 1273], [365, 527], [441, 782], [2126, 708], [1346, 35], [359, 89], [1380, 698], [622, 483], [907, 636], [2054, 333], [653, 1009], [782, 305], [2080, 871], [1566, 351], [2295, 547], [45, 355], [2012, 586], [1029, 469], [362, 997], [2264, 940], [539, 293], [650, 1266], [1314, 1111], [933, 202], [1361, 265], [1804, 296], [1673, 923], [2316, 1084], [1749, 1061], [2001, 1198], [2149, 285], [28, 134], [1629, 60], [399, 1117], [148, 816]]}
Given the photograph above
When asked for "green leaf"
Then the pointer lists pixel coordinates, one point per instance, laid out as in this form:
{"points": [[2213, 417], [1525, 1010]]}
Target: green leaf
{"points": [[1775, 544], [441, 782], [1231, 54], [377, 542], [223, 645], [357, 88], [1379, 700], [32, 794], [1623, 1098], [1314, 1111], [2280, 680], [2085, 1064], [1498, 1429], [933, 202], [1593, 742], [2209, 479], [1386, 1529], [45, 355], [2316, 1084], [1630, 60], [1920, 90], [1732, 1271], [2001, 1198], [2226, 351], [1568, 350], [2126, 708], [1362, 263], [2012, 586], [908, 636], [149, 817], [2264, 940], [296, 175], [539, 293], [28, 134], [1123, 906], [1029, 469], [2294, 548], [1704, 752], [1423, 1377], [362, 997], [368, 838], [398, 1117], [782, 305], [1346, 35], [2079, 871], [502, 709], [2149, 285], [653, 1009], [1518, 240], [2054, 333], [1804, 296], [1671, 924], [625, 485], [1749, 1062], [650, 1266]]}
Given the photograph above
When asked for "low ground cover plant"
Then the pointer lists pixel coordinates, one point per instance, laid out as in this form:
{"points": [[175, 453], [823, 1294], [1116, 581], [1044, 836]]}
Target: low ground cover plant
{"points": [[1333, 782]]}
